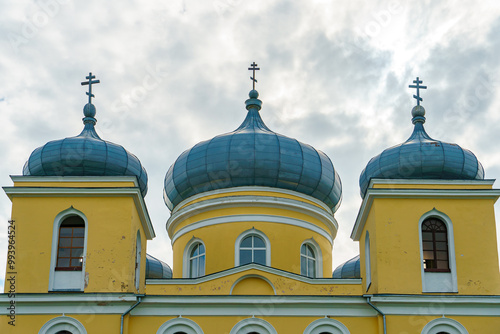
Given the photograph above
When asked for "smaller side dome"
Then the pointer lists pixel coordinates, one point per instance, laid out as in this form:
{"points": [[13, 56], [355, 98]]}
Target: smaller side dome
{"points": [[348, 269], [422, 157], [156, 268], [85, 155]]}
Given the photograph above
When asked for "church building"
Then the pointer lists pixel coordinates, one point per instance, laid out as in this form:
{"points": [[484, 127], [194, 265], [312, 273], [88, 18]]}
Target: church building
{"points": [[252, 228]]}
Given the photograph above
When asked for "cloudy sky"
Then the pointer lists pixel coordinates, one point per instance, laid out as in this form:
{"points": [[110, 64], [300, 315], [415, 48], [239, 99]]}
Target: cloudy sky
{"points": [[334, 74]]}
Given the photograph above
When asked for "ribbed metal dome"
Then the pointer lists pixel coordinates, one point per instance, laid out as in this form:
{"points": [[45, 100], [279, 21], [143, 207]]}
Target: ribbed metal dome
{"points": [[156, 268], [253, 155], [348, 269], [421, 157], [85, 155]]}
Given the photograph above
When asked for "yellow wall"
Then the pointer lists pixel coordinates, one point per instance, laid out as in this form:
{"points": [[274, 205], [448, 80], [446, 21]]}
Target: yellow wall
{"points": [[112, 229], [220, 246], [223, 324], [396, 251], [31, 324]]}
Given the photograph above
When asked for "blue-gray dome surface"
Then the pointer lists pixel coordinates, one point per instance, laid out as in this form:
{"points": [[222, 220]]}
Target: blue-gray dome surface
{"points": [[85, 155], [156, 268], [348, 269], [253, 155], [421, 157]]}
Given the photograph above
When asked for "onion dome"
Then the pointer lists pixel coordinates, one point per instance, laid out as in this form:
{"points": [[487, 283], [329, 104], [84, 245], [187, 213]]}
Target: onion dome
{"points": [[85, 155], [421, 157], [348, 269], [253, 155], [156, 268]]}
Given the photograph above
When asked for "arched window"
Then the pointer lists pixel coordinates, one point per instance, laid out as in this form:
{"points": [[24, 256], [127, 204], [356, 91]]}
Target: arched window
{"points": [[179, 326], [444, 326], [307, 261], [253, 250], [62, 325], [368, 261], [71, 244], [326, 326], [435, 245], [437, 253], [197, 261]]}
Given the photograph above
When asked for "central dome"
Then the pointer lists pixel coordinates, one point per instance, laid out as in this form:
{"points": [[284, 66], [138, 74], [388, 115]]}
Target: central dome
{"points": [[253, 155]]}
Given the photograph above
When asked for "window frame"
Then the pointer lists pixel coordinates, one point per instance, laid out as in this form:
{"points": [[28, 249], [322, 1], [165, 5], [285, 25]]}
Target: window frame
{"points": [[200, 270], [58, 220], [70, 247], [248, 233], [434, 249], [177, 325], [318, 265], [186, 263]]}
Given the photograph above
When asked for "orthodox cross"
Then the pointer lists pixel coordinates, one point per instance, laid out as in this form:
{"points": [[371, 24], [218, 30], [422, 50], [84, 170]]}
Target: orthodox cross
{"points": [[253, 68], [418, 87], [90, 82]]}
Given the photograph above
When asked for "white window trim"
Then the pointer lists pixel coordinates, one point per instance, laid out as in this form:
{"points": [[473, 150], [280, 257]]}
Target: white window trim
{"points": [[55, 242], [451, 250], [317, 252], [179, 324], [444, 324], [245, 234], [62, 323], [138, 261], [318, 326], [186, 265], [368, 264], [253, 324]]}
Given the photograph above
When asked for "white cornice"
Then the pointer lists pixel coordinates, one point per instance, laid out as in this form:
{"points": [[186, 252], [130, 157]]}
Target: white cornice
{"points": [[489, 182], [253, 218], [252, 201], [134, 192], [297, 306], [248, 267], [63, 179], [373, 193], [236, 190]]}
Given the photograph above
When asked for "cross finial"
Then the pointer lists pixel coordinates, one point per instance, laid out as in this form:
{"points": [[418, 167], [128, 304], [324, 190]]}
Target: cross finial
{"points": [[418, 87], [90, 82], [253, 68]]}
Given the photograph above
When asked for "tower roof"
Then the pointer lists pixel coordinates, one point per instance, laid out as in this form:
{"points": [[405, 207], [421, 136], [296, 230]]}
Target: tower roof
{"points": [[253, 155], [422, 157], [86, 154]]}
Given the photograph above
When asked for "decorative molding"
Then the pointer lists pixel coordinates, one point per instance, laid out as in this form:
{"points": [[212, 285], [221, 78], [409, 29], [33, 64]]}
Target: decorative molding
{"points": [[55, 325], [326, 325], [178, 325], [440, 325], [373, 193], [135, 193], [180, 215], [71, 179], [300, 306], [252, 276], [252, 218], [253, 266], [253, 325], [374, 181], [252, 189]]}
